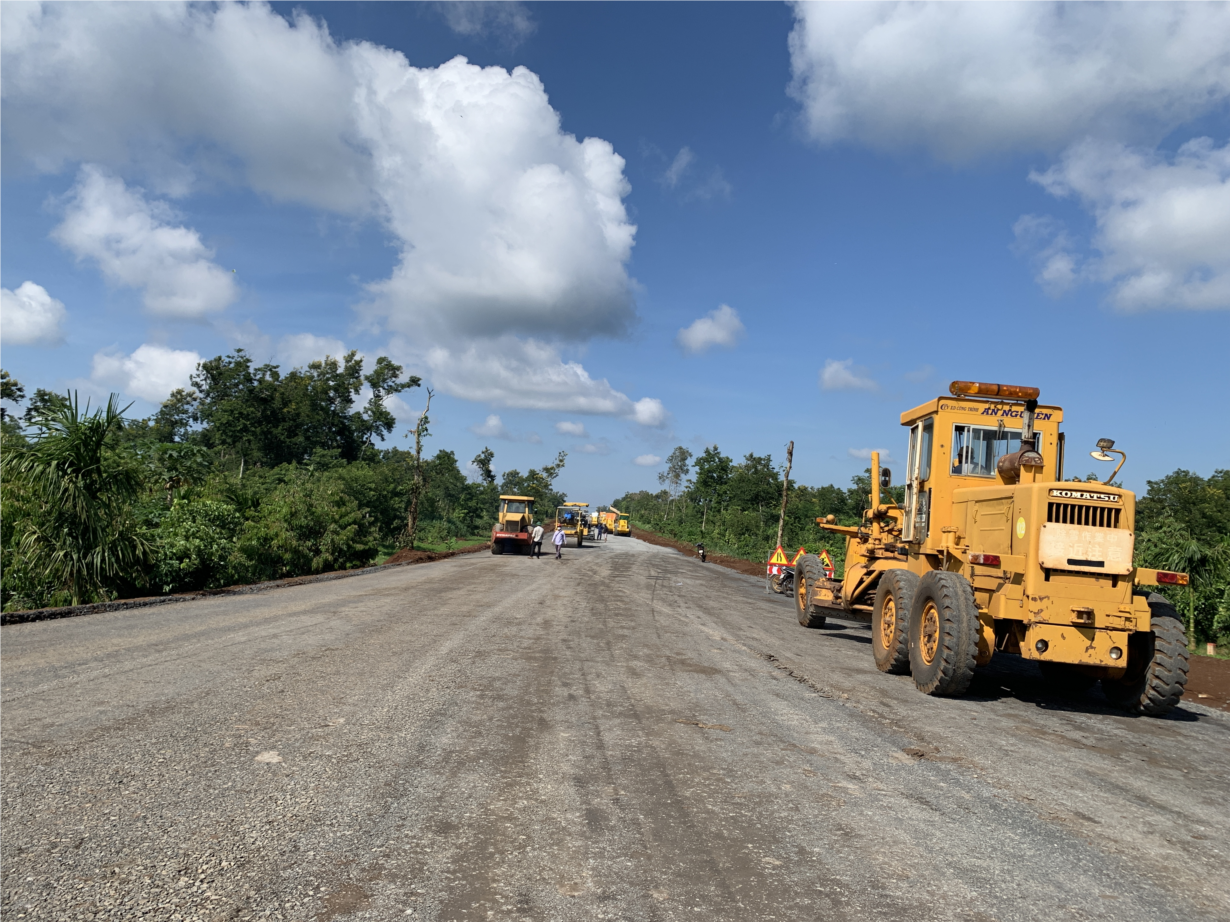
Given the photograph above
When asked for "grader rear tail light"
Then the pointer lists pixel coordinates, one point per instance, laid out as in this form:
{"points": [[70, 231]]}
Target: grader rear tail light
{"points": [[987, 560], [1172, 579], [979, 389]]}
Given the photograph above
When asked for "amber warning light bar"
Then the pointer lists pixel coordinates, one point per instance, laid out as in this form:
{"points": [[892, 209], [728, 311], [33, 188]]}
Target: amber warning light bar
{"points": [[1004, 391]]}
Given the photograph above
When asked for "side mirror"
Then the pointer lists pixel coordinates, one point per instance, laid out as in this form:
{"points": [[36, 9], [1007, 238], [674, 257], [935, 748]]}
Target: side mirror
{"points": [[886, 478]]}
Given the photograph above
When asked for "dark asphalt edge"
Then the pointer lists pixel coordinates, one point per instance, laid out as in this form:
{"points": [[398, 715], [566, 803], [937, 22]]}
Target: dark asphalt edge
{"points": [[97, 608]]}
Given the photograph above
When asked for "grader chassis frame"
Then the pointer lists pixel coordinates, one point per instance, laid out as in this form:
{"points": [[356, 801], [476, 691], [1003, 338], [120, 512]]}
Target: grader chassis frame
{"points": [[993, 552]]}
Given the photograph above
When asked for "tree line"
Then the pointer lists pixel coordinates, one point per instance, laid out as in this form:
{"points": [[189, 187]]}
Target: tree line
{"points": [[251, 474], [1182, 522]]}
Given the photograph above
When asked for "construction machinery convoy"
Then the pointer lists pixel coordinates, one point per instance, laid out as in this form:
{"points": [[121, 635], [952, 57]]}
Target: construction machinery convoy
{"points": [[993, 552], [511, 532], [573, 518]]}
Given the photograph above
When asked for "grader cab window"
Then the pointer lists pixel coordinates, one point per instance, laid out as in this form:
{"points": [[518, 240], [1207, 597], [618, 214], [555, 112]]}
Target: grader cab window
{"points": [[515, 507], [976, 449]]}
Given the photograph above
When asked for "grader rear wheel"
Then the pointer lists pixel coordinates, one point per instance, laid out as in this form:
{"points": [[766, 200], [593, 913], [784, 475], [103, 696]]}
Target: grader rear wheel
{"points": [[943, 633], [1157, 664], [890, 621]]}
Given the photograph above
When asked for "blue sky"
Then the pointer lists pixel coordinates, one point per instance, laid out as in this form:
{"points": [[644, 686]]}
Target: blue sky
{"points": [[858, 204]]}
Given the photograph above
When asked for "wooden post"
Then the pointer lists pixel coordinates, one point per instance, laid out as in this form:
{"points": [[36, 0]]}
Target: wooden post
{"points": [[781, 519], [420, 430]]}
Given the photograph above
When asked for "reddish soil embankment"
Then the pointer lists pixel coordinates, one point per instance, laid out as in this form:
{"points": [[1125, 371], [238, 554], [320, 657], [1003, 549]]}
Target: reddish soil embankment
{"points": [[750, 567], [408, 556], [1208, 682]]}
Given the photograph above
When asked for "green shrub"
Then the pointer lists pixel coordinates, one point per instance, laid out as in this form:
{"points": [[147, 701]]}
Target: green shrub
{"points": [[195, 543]]}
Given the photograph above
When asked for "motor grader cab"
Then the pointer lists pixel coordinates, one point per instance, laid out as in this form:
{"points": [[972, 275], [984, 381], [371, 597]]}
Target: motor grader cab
{"points": [[511, 532], [992, 552], [573, 518]]}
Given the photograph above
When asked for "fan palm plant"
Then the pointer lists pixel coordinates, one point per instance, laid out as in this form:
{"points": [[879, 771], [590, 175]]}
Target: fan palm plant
{"points": [[81, 538]]}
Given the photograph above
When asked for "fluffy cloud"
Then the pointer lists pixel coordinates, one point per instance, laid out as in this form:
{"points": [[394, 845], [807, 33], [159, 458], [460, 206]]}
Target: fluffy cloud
{"points": [[647, 460], [843, 376], [135, 244], [1163, 224], [493, 428], [151, 372], [509, 21], [300, 349], [506, 224], [601, 447], [966, 79], [721, 327], [531, 375], [30, 316], [566, 428]]}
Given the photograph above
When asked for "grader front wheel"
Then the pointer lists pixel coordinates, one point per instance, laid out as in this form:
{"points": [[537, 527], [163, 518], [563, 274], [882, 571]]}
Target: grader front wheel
{"points": [[806, 571]]}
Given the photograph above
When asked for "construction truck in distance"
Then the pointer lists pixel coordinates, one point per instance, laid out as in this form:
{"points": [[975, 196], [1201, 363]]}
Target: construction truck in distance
{"points": [[573, 518], [511, 532], [623, 525], [993, 552]]}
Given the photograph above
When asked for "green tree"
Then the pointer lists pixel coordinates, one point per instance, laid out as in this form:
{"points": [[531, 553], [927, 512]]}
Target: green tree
{"points": [[80, 537], [10, 390], [377, 421]]}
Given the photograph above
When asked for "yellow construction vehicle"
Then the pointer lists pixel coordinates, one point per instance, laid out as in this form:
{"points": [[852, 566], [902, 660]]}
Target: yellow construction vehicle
{"points": [[623, 526], [511, 532], [993, 552], [574, 519]]}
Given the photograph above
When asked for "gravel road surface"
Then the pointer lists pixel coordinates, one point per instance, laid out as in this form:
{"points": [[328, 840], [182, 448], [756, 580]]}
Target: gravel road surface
{"points": [[627, 734]]}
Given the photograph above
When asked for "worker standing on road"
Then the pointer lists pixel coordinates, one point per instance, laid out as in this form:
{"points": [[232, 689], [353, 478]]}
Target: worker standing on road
{"points": [[536, 541], [558, 540]]}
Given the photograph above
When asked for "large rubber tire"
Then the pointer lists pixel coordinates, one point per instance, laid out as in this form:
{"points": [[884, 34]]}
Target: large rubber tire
{"points": [[943, 634], [497, 547], [1067, 679], [806, 571], [1157, 664], [579, 539], [890, 622]]}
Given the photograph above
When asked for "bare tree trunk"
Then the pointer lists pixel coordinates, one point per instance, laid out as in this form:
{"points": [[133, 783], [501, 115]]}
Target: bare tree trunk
{"points": [[420, 430], [781, 520]]}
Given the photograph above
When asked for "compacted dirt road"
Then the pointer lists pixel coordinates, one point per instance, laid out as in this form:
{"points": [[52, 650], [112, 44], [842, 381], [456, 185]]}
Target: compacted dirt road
{"points": [[627, 734]]}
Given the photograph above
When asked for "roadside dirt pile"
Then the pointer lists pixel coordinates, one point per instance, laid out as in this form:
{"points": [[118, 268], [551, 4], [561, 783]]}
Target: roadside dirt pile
{"points": [[749, 567], [407, 556]]}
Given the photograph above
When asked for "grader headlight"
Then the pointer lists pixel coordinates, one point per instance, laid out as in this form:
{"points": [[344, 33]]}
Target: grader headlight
{"points": [[979, 389]]}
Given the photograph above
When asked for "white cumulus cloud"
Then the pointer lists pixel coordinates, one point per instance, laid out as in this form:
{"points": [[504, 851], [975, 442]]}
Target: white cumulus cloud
{"points": [[135, 243], [844, 376], [967, 79], [30, 316], [505, 224], [526, 374], [492, 428], [1163, 224], [566, 428], [720, 327], [647, 460], [151, 372]]}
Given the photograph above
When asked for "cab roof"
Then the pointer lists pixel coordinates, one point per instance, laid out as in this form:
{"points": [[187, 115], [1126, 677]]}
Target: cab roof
{"points": [[969, 404], [526, 498]]}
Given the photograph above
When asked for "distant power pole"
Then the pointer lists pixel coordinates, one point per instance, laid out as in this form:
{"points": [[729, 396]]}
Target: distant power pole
{"points": [[781, 520]]}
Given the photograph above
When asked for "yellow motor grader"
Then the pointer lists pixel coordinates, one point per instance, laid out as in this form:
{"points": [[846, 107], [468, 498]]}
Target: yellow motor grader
{"points": [[993, 551]]}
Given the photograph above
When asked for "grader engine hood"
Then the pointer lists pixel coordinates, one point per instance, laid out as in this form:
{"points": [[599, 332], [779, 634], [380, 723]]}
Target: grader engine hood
{"points": [[1083, 532]]}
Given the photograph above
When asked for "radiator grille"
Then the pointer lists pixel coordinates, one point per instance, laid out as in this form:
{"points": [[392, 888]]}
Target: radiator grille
{"points": [[1080, 514]]}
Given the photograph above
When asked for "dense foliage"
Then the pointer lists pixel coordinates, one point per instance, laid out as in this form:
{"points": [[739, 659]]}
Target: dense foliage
{"points": [[1183, 522], [253, 474]]}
